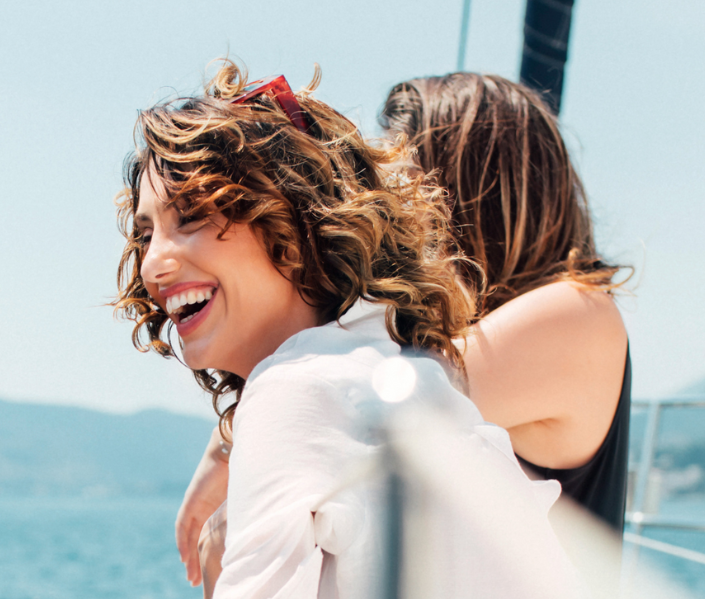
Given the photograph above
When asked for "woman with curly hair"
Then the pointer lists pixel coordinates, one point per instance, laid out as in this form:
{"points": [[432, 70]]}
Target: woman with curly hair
{"points": [[549, 359], [261, 226]]}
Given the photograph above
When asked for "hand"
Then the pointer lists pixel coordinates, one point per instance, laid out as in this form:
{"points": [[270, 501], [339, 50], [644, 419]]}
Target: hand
{"points": [[211, 546], [207, 491]]}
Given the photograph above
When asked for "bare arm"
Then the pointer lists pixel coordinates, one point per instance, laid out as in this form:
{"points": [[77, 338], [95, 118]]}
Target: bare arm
{"points": [[207, 491], [211, 546], [548, 367]]}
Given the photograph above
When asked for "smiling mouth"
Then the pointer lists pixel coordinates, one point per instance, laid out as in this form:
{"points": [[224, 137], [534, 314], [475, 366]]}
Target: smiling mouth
{"points": [[184, 306]]}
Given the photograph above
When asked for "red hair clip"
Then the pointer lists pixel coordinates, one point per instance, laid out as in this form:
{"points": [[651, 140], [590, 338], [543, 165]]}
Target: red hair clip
{"points": [[279, 89]]}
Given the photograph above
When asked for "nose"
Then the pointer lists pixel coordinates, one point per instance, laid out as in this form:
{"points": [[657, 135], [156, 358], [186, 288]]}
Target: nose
{"points": [[160, 261]]}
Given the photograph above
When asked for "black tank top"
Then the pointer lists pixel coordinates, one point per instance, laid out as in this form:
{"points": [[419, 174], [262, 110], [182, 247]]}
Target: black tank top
{"points": [[601, 484]]}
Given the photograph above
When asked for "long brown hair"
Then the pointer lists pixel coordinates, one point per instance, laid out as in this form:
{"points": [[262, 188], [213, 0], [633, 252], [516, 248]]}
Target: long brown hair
{"points": [[518, 205], [327, 214]]}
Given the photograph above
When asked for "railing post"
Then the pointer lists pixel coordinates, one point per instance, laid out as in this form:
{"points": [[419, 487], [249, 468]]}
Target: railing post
{"points": [[648, 449]]}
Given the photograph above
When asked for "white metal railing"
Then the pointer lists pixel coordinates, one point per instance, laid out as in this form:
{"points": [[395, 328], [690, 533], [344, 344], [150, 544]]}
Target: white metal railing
{"points": [[643, 512], [661, 547]]}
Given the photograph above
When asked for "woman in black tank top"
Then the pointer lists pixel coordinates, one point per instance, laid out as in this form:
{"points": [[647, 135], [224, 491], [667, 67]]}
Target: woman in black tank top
{"points": [[548, 360]]}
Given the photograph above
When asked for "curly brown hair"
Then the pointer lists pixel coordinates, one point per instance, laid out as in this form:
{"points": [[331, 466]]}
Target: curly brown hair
{"points": [[327, 213], [519, 207]]}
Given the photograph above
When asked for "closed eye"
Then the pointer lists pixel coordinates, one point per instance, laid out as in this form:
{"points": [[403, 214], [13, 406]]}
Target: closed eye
{"points": [[143, 229], [190, 223], [144, 237], [187, 220]]}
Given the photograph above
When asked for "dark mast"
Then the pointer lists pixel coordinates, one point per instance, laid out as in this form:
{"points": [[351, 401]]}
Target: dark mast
{"points": [[546, 34]]}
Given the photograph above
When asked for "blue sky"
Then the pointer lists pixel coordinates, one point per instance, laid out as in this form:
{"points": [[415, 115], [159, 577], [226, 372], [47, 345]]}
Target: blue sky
{"points": [[73, 75]]}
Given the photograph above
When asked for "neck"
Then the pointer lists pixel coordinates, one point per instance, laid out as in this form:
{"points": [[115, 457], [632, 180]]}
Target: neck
{"points": [[299, 317]]}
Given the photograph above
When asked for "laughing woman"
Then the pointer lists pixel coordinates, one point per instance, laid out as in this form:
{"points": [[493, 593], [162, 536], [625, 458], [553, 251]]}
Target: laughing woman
{"points": [[259, 224]]}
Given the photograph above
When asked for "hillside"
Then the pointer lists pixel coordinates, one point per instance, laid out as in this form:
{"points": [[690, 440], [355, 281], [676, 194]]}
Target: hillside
{"points": [[695, 388], [70, 451], [59, 450]]}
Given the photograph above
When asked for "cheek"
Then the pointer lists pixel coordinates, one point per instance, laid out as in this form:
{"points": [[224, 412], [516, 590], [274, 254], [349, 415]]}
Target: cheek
{"points": [[153, 291]]}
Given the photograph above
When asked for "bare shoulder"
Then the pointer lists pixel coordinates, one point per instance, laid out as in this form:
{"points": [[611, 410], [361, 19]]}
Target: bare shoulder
{"points": [[548, 366], [562, 324], [565, 308]]}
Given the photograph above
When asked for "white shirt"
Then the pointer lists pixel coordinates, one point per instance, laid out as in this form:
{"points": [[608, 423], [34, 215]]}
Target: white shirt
{"points": [[303, 423]]}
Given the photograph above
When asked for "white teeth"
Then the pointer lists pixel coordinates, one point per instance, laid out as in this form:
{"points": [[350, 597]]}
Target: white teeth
{"points": [[175, 303], [184, 320]]}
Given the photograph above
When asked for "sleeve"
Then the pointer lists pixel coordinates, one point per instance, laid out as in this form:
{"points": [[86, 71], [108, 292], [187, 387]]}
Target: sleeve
{"points": [[293, 437]]}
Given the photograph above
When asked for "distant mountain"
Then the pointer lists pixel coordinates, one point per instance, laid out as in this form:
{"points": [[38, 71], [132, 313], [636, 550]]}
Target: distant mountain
{"points": [[696, 388], [70, 451]]}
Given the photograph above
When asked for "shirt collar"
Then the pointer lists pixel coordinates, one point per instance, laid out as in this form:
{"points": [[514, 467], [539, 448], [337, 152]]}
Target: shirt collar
{"points": [[365, 318]]}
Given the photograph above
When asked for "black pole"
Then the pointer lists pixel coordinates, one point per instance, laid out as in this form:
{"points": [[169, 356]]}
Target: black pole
{"points": [[546, 33], [394, 528]]}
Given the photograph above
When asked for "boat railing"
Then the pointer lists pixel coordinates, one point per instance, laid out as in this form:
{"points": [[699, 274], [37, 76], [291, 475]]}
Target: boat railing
{"points": [[666, 494], [415, 482]]}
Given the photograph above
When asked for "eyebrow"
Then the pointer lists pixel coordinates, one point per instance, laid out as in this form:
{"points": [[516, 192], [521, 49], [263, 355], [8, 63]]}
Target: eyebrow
{"points": [[142, 220]]}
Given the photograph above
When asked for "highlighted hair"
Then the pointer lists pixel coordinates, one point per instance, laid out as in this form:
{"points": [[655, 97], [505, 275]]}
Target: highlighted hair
{"points": [[518, 205], [326, 213]]}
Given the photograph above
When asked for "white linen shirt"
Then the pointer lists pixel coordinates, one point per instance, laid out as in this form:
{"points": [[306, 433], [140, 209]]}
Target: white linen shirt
{"points": [[301, 425]]}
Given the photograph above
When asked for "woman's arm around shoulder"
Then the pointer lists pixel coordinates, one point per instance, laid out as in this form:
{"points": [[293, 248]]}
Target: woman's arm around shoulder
{"points": [[206, 491], [548, 366]]}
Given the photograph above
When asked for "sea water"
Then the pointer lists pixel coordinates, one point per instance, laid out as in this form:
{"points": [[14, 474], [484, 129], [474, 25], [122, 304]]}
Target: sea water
{"points": [[686, 573], [124, 548], [90, 548]]}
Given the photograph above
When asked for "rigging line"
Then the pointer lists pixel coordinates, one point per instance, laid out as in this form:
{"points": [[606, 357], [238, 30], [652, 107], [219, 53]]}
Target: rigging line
{"points": [[464, 24], [689, 554]]}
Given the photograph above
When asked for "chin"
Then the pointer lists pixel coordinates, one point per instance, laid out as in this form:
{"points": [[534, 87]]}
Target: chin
{"points": [[196, 359]]}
